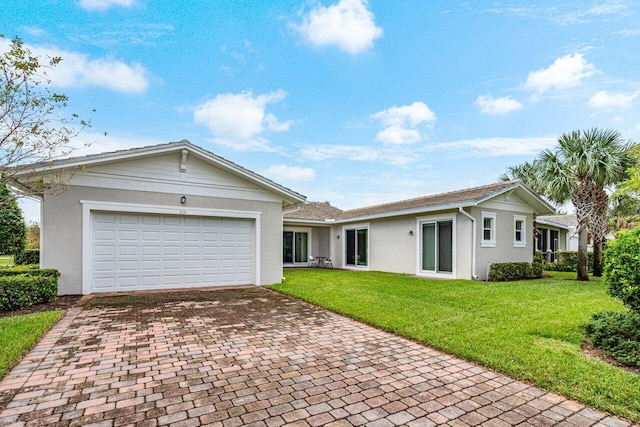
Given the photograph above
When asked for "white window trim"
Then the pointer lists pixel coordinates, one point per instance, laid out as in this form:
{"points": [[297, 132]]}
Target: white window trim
{"points": [[343, 237], [309, 245], [492, 242], [431, 273], [89, 206], [523, 242]]}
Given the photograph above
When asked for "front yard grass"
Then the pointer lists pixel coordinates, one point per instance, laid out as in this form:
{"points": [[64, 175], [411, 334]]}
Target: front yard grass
{"points": [[18, 335], [528, 330]]}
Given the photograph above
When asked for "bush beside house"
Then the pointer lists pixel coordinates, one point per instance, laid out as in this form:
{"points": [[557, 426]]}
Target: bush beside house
{"points": [[568, 261], [27, 285], [508, 271], [29, 256]]}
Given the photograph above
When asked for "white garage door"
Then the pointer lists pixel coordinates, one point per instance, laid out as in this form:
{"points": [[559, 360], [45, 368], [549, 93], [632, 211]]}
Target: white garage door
{"points": [[144, 251]]}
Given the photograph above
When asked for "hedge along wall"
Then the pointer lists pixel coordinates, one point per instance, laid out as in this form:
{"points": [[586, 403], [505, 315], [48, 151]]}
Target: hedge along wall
{"points": [[27, 285], [568, 261], [507, 271]]}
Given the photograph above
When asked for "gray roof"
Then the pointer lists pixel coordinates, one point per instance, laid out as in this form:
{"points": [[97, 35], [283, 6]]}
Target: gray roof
{"points": [[113, 156], [465, 197], [316, 211]]}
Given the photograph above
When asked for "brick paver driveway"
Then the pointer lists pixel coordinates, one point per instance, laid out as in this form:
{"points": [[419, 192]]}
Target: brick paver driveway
{"points": [[253, 357]]}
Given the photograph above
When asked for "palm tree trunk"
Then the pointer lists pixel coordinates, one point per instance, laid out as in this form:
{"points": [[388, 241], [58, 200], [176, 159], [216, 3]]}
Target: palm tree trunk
{"points": [[597, 258], [583, 274]]}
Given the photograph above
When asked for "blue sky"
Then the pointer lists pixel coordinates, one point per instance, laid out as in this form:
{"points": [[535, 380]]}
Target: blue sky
{"points": [[347, 101]]}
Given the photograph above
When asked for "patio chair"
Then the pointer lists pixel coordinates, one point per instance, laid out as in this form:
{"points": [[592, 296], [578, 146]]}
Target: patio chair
{"points": [[327, 262], [312, 262]]}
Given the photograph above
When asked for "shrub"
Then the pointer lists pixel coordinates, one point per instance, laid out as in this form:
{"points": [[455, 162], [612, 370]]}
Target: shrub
{"points": [[617, 334], [30, 256], [24, 290], [622, 268], [30, 270], [568, 261], [506, 271]]}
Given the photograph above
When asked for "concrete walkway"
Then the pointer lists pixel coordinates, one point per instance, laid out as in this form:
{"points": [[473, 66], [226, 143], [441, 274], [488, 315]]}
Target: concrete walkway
{"points": [[253, 357]]}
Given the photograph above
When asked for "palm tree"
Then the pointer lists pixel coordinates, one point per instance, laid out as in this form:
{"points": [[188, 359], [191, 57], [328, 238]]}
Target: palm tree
{"points": [[579, 169], [610, 155], [525, 172]]}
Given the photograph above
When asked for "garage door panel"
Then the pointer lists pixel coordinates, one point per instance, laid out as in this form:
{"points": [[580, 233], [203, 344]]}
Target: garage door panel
{"points": [[128, 235], [150, 250], [144, 251], [169, 250]]}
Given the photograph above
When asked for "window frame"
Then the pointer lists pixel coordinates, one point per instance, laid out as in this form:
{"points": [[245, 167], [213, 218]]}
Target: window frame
{"points": [[295, 230], [491, 242], [355, 228], [435, 219], [522, 243]]}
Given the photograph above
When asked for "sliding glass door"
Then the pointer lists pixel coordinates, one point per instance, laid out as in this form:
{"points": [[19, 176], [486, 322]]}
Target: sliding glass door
{"points": [[437, 246], [295, 247], [357, 247]]}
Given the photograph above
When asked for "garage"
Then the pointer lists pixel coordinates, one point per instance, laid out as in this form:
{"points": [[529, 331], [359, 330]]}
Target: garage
{"points": [[132, 251], [163, 216]]}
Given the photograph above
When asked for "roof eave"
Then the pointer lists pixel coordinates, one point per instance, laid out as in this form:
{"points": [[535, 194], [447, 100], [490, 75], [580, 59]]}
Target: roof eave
{"points": [[552, 224], [411, 211], [288, 195]]}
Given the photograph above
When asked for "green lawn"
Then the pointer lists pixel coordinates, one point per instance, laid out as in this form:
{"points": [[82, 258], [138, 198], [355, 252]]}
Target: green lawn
{"points": [[528, 330], [18, 335]]}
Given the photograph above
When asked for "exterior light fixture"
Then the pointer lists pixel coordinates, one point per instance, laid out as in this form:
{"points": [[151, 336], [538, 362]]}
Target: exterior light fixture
{"points": [[183, 199], [410, 232]]}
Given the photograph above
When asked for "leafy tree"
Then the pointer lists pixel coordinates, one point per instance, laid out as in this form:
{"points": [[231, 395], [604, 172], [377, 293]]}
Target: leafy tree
{"points": [[33, 236], [622, 268], [13, 231], [33, 124]]}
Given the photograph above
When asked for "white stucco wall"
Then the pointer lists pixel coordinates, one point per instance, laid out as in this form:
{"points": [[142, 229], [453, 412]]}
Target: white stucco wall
{"points": [[504, 250]]}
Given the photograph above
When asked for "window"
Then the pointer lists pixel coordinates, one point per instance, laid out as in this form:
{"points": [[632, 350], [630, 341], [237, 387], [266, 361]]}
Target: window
{"points": [[519, 231], [295, 246], [488, 230], [357, 246]]}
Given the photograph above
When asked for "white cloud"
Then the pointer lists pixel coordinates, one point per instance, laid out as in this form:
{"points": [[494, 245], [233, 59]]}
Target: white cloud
{"points": [[237, 120], [630, 33], [606, 100], [333, 151], [402, 123], [494, 147], [275, 125], [490, 105], [565, 72], [290, 173], [251, 144], [348, 24], [77, 70], [104, 4], [393, 155]]}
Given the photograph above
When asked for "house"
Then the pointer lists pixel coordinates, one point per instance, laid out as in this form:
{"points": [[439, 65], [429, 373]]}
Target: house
{"points": [[556, 233], [164, 216], [450, 235]]}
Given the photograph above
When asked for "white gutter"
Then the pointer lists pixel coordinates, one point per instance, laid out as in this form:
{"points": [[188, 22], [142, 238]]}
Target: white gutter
{"points": [[473, 243]]}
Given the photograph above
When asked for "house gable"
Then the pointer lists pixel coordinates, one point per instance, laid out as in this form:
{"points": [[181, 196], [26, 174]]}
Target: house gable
{"points": [[168, 173], [507, 202], [174, 167]]}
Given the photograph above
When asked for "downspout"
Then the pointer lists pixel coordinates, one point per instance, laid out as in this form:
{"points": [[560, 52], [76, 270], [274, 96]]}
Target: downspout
{"points": [[474, 275]]}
